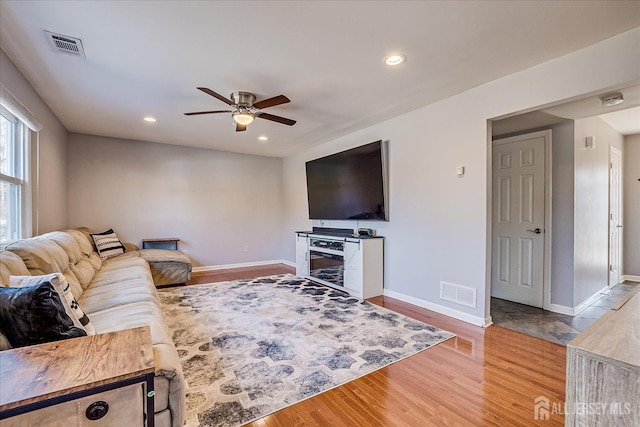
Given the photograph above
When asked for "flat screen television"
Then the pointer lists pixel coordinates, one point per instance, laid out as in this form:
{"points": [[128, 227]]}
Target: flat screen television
{"points": [[350, 185]]}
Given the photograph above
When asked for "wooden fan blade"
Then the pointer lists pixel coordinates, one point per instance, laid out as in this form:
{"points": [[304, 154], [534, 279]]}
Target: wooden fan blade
{"points": [[278, 119], [216, 95], [276, 100], [240, 128], [207, 112]]}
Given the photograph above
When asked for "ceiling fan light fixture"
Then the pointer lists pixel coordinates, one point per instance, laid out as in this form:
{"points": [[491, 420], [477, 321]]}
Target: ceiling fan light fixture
{"points": [[243, 117]]}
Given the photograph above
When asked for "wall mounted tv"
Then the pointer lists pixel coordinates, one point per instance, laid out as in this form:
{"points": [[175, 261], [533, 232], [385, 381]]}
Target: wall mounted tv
{"points": [[350, 185]]}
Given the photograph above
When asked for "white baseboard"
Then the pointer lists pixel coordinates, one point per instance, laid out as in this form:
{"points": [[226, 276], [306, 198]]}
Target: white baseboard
{"points": [[574, 311], [242, 264], [630, 278], [287, 262], [593, 298], [447, 311], [562, 309]]}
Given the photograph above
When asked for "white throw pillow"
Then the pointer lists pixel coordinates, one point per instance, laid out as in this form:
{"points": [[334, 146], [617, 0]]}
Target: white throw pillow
{"points": [[107, 244], [60, 284]]}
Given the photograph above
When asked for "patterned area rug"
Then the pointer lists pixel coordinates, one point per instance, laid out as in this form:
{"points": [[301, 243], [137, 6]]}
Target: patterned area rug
{"points": [[252, 347]]}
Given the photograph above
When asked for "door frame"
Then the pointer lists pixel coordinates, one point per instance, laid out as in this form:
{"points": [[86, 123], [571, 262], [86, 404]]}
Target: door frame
{"points": [[620, 154], [546, 259]]}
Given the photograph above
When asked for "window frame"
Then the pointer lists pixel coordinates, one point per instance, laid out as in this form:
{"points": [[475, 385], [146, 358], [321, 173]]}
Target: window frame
{"points": [[18, 219]]}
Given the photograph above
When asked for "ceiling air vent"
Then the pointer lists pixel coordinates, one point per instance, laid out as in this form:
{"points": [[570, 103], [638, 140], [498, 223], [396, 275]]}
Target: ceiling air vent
{"points": [[66, 44]]}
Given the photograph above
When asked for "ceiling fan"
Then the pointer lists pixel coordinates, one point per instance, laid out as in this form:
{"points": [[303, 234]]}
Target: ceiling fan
{"points": [[246, 109]]}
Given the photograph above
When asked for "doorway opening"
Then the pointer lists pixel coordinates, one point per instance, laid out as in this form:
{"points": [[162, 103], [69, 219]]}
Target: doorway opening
{"points": [[582, 258]]}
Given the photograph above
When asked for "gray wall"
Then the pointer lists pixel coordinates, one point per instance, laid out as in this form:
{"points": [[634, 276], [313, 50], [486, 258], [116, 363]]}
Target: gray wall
{"points": [[591, 215], [562, 207], [51, 211], [438, 221], [216, 202], [631, 220]]}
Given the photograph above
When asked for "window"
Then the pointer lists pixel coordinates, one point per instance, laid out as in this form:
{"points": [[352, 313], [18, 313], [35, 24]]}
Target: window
{"points": [[14, 191]]}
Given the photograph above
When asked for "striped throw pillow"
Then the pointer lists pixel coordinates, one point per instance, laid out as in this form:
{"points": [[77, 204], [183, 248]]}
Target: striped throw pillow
{"points": [[107, 244]]}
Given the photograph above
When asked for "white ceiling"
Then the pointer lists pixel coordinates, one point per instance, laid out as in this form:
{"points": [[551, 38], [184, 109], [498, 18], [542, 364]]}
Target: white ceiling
{"points": [[146, 58], [624, 117], [626, 122]]}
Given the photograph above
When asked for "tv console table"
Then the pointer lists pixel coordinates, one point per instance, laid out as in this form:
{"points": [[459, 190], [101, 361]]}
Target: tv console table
{"points": [[350, 263]]}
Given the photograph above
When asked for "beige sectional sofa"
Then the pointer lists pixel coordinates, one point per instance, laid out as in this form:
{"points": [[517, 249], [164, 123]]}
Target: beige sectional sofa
{"points": [[117, 293]]}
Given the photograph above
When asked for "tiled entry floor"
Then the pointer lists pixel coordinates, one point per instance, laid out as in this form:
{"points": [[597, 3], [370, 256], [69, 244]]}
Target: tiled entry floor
{"points": [[550, 326]]}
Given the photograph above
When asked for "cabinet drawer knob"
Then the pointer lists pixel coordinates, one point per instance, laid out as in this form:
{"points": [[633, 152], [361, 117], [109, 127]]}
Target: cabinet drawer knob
{"points": [[97, 410]]}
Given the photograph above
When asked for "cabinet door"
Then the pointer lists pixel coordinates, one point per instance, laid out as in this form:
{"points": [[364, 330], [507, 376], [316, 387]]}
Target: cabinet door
{"points": [[302, 256], [353, 267]]}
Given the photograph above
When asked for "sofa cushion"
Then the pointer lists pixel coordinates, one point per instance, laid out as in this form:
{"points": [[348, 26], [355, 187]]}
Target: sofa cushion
{"points": [[124, 267], [84, 271], [164, 255], [62, 287], [66, 242], [95, 261], [36, 314], [76, 288], [133, 315], [115, 294], [83, 239], [107, 244], [11, 265], [41, 256], [168, 267]]}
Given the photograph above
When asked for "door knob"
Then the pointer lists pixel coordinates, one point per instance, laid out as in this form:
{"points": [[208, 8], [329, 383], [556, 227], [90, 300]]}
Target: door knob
{"points": [[537, 231]]}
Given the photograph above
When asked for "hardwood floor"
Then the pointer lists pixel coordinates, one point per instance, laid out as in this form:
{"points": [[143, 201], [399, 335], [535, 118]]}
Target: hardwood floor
{"points": [[481, 377], [239, 273]]}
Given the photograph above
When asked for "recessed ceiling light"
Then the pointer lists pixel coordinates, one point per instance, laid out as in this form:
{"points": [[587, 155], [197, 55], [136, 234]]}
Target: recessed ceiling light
{"points": [[149, 119], [395, 59], [263, 138]]}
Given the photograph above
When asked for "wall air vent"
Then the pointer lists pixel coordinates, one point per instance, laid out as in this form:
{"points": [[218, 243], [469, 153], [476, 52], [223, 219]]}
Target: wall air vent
{"points": [[66, 44], [458, 294]]}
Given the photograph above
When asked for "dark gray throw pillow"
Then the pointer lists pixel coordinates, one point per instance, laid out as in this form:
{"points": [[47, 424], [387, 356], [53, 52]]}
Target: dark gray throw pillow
{"points": [[34, 315]]}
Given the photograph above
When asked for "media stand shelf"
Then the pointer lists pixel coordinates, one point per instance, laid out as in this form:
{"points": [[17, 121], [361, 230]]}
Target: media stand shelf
{"points": [[353, 264]]}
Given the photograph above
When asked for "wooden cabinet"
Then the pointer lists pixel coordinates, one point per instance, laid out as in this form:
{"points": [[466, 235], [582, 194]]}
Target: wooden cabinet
{"points": [[603, 369], [352, 264], [99, 380]]}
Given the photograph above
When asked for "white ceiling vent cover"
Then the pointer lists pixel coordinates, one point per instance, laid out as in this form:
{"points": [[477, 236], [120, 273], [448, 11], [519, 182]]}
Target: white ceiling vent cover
{"points": [[458, 294], [66, 44]]}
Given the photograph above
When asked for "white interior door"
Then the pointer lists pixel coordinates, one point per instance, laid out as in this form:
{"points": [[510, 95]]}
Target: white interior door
{"points": [[518, 232], [615, 216]]}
